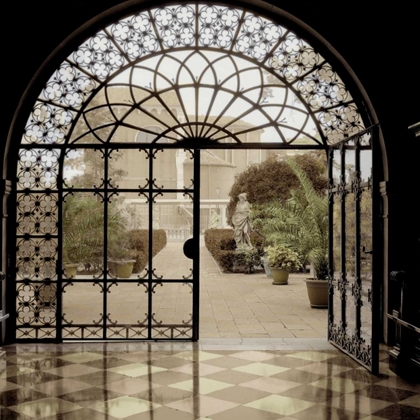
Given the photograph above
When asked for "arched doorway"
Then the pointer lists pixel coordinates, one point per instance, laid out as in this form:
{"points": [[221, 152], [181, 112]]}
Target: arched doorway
{"points": [[221, 76]]}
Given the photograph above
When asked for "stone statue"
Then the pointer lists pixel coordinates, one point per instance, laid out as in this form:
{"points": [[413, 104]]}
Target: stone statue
{"points": [[242, 223]]}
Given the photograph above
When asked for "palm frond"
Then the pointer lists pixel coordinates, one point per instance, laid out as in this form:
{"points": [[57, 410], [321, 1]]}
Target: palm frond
{"points": [[301, 221]]}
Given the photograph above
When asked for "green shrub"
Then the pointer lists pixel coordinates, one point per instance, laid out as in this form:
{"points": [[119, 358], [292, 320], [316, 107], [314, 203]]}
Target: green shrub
{"points": [[139, 241], [228, 244], [222, 246], [248, 258], [226, 260], [273, 179]]}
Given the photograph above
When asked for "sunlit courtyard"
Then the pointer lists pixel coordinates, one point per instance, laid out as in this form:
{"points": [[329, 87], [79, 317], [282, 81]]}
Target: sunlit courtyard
{"points": [[232, 305]]}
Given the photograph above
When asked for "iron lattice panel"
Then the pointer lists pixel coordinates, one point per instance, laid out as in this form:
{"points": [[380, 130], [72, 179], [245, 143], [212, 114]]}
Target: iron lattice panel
{"points": [[95, 98], [280, 63], [351, 309]]}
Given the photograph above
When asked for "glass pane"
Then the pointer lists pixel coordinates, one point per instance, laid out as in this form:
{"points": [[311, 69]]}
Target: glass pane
{"points": [[175, 217], [366, 265], [129, 169], [36, 259], [172, 309], [366, 139], [173, 168], [350, 226], [336, 239], [336, 244], [351, 313], [365, 165], [36, 214], [366, 313], [37, 169], [127, 304], [336, 169], [82, 304], [251, 100], [366, 235], [128, 235], [84, 168], [350, 166], [81, 134], [83, 233]]}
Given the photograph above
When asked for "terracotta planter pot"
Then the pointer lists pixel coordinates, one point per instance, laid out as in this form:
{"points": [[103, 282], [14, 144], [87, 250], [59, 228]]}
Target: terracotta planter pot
{"points": [[124, 269], [317, 293], [280, 275], [70, 270]]}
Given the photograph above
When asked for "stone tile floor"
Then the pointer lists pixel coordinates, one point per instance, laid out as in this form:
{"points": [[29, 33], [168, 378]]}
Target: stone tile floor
{"points": [[186, 381], [232, 305], [250, 306], [262, 355]]}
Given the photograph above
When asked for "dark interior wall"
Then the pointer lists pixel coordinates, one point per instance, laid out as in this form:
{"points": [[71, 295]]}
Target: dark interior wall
{"points": [[379, 43]]}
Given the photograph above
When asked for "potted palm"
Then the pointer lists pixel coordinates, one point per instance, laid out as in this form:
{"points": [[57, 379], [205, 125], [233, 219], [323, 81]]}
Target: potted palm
{"points": [[121, 257], [80, 250], [69, 266], [282, 260], [82, 234], [302, 223], [311, 214]]}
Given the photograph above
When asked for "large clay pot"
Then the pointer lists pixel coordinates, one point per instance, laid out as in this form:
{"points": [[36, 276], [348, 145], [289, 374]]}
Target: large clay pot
{"points": [[70, 270], [124, 269], [280, 275], [317, 293]]}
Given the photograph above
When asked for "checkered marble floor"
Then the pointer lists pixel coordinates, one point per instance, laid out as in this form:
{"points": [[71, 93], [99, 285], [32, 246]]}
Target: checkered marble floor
{"points": [[184, 381]]}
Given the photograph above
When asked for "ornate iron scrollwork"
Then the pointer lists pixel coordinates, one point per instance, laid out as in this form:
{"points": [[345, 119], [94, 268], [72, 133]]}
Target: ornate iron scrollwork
{"points": [[78, 111]]}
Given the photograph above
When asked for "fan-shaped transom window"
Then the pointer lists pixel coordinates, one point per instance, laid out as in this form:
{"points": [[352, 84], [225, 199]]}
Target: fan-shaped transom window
{"points": [[195, 71]]}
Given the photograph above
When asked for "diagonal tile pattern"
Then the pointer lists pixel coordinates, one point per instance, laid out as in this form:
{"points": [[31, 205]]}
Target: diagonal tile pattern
{"points": [[187, 381]]}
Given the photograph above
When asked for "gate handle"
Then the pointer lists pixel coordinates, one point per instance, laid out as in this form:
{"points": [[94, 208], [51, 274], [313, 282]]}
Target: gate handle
{"points": [[189, 248]]}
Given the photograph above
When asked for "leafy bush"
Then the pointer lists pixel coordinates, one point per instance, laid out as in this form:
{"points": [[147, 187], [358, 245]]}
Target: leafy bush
{"points": [[83, 230], [222, 246], [281, 256], [248, 258], [301, 222], [139, 241], [226, 260], [274, 179]]}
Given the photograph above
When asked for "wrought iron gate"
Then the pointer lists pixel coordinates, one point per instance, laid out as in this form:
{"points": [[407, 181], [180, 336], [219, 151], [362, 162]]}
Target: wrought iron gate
{"points": [[93, 222], [147, 84], [354, 306]]}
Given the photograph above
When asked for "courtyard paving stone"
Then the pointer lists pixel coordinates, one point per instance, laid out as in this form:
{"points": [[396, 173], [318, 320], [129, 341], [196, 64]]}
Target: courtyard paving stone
{"points": [[237, 305]]}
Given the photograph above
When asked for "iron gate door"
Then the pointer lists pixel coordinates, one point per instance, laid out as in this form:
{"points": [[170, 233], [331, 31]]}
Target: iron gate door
{"points": [[353, 319], [108, 209], [158, 216]]}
